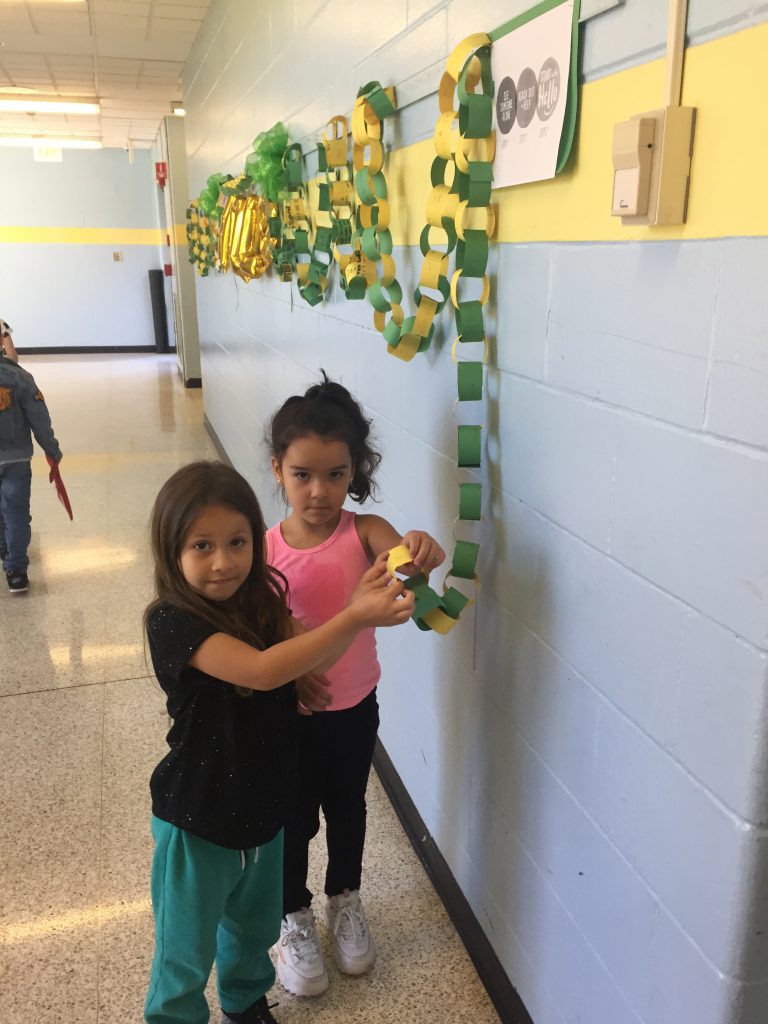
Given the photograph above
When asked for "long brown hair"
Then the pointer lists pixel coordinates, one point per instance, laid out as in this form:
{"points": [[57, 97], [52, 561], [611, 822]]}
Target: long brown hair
{"points": [[257, 612]]}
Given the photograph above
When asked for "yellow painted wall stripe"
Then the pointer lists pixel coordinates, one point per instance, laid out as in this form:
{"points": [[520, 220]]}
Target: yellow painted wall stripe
{"points": [[82, 236], [726, 80]]}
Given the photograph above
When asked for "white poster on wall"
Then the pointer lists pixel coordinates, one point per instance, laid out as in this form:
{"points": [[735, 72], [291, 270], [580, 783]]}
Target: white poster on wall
{"points": [[530, 68]]}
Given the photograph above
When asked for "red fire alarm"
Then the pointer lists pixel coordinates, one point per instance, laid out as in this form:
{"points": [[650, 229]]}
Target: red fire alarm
{"points": [[161, 173], [168, 270]]}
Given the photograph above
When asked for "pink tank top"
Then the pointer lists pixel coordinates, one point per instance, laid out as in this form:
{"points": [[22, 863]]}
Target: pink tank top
{"points": [[321, 582]]}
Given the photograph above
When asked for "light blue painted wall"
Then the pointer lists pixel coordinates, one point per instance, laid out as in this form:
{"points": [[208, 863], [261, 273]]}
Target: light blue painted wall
{"points": [[76, 295], [589, 750]]}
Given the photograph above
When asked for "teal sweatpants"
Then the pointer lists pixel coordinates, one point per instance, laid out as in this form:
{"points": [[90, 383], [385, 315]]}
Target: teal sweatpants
{"points": [[211, 903]]}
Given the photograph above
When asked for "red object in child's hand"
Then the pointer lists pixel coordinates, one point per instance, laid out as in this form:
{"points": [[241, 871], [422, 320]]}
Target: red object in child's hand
{"points": [[54, 477]]}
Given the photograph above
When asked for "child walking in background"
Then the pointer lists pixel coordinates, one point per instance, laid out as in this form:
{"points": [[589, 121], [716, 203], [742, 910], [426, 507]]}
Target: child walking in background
{"points": [[320, 455], [225, 650]]}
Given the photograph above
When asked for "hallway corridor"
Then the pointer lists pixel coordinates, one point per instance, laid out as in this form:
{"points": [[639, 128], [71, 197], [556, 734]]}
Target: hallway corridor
{"points": [[82, 725]]}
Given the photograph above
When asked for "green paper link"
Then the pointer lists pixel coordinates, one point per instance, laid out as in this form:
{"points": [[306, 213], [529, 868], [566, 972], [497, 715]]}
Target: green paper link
{"points": [[453, 602], [470, 325], [476, 117], [366, 195], [443, 287], [470, 500], [407, 328], [375, 243], [324, 198], [324, 239], [450, 231], [437, 171], [470, 446], [380, 103], [464, 560], [356, 288], [470, 386], [391, 333], [479, 183], [426, 598], [342, 232], [381, 302], [483, 54], [311, 293], [472, 253], [301, 241]]}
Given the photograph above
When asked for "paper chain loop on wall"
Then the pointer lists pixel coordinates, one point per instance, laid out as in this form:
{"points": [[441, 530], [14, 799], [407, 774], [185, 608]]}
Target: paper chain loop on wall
{"points": [[468, 154], [459, 219], [202, 238], [372, 240]]}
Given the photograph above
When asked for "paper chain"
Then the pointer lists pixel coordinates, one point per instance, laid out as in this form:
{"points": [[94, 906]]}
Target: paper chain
{"points": [[462, 177]]}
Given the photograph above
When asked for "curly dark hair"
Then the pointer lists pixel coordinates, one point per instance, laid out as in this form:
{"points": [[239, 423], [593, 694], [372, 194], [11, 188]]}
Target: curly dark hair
{"points": [[328, 410]]}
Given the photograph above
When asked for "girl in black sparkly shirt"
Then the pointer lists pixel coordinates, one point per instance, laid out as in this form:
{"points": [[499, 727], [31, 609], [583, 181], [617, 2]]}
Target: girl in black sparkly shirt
{"points": [[227, 652]]}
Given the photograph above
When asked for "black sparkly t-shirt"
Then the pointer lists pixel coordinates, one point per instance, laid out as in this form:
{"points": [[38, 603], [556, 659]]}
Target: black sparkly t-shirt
{"points": [[224, 778]]}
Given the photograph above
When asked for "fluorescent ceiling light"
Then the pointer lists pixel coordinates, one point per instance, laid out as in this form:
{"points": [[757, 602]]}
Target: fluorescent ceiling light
{"points": [[48, 107], [178, 111], [38, 140]]}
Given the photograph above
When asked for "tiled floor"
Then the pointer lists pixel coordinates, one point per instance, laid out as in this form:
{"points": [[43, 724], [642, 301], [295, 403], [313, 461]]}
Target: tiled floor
{"points": [[82, 725]]}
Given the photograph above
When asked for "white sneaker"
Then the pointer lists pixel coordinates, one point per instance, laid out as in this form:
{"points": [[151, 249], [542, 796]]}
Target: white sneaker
{"points": [[353, 944], [300, 965]]}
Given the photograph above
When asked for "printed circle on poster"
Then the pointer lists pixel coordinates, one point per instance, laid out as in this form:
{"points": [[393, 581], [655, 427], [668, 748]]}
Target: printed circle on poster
{"points": [[506, 105], [527, 96], [549, 88]]}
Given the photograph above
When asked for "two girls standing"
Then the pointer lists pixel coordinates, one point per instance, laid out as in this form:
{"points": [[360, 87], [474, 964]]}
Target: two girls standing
{"points": [[231, 657]]}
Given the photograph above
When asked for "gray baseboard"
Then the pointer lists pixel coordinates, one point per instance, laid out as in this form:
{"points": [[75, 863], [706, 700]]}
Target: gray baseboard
{"points": [[501, 992]]}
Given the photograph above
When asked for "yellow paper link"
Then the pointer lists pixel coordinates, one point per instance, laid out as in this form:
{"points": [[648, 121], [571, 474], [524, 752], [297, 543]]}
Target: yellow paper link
{"points": [[490, 219], [475, 149], [434, 267], [376, 158], [462, 51], [445, 136], [365, 125], [485, 292], [425, 315], [438, 621], [380, 318], [406, 348], [388, 270], [383, 215], [398, 556], [336, 145], [441, 203], [484, 343], [474, 73], [445, 93], [343, 194]]}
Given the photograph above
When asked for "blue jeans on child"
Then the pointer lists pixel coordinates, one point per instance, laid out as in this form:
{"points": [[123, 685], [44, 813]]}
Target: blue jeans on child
{"points": [[15, 532], [211, 903]]}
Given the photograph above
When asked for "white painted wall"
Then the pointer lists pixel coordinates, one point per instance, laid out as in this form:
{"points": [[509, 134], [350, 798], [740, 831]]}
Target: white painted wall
{"points": [[590, 752], [73, 294]]}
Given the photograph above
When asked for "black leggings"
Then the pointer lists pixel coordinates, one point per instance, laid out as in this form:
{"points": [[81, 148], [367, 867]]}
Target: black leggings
{"points": [[331, 771]]}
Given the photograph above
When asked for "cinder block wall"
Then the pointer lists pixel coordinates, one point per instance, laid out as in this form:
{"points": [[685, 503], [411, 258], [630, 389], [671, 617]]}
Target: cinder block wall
{"points": [[589, 748]]}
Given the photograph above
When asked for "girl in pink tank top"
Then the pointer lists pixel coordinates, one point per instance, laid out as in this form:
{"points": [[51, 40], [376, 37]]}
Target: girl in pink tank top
{"points": [[321, 454]]}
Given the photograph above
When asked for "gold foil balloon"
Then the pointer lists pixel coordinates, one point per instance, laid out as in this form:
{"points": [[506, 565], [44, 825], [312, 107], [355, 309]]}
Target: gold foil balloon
{"points": [[244, 239]]}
